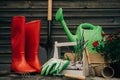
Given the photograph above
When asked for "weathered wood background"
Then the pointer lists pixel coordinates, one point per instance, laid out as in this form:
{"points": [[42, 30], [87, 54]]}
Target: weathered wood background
{"points": [[105, 13]]}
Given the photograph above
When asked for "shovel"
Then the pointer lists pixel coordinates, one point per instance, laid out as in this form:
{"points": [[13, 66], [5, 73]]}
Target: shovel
{"points": [[49, 40]]}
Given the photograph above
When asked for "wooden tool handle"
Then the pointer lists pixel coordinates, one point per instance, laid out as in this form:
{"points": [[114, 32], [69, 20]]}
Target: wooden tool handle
{"points": [[74, 76], [87, 55], [49, 9]]}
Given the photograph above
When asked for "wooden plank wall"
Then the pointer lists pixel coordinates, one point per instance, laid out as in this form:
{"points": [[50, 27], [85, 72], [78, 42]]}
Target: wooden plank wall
{"points": [[105, 13]]}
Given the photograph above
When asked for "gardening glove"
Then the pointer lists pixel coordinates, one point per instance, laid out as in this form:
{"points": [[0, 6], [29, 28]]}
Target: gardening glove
{"points": [[54, 66]]}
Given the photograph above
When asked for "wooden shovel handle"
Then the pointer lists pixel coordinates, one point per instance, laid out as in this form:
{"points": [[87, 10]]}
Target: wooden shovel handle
{"points": [[49, 9], [87, 55]]}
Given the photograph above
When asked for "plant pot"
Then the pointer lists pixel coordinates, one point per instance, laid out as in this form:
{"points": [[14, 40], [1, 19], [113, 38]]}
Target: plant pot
{"points": [[104, 70]]}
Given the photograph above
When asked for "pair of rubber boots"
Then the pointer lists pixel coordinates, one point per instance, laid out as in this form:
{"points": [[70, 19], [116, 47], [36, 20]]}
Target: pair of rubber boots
{"points": [[25, 38]]}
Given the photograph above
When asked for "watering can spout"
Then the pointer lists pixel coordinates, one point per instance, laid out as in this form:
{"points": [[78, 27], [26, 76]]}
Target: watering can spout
{"points": [[59, 17]]}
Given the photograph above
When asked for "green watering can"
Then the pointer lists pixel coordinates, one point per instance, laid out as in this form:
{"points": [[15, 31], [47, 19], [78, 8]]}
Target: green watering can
{"points": [[90, 32]]}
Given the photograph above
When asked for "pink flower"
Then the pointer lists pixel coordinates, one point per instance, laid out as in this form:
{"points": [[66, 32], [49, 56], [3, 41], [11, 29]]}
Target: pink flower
{"points": [[118, 31], [110, 37], [95, 44], [103, 34]]}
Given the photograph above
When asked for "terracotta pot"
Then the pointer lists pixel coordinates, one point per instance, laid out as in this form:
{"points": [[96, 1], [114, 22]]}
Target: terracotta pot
{"points": [[104, 70]]}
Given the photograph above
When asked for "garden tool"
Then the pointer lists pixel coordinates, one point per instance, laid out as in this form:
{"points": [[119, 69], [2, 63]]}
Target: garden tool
{"points": [[71, 76], [49, 44], [19, 63], [91, 33], [32, 40]]}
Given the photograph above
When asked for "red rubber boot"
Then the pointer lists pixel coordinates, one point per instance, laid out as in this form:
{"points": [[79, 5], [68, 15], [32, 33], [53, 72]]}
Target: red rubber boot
{"points": [[32, 35], [19, 63]]}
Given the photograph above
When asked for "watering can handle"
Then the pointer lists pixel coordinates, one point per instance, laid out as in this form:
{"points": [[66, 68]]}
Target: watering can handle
{"points": [[87, 25]]}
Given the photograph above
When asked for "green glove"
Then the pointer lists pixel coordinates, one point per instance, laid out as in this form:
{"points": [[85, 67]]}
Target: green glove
{"points": [[54, 66]]}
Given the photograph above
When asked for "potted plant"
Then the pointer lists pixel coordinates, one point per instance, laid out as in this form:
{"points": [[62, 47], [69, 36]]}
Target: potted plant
{"points": [[109, 47], [78, 53]]}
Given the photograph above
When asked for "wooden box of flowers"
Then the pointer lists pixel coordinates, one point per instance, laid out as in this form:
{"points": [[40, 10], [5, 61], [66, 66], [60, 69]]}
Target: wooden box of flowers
{"points": [[109, 48]]}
